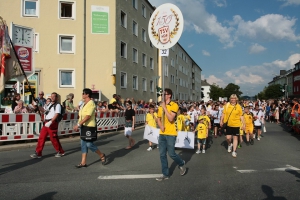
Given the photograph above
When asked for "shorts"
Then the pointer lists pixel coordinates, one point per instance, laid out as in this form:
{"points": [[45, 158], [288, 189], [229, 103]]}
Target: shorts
{"points": [[217, 125], [201, 141], [257, 127], [235, 131], [128, 128], [249, 129]]}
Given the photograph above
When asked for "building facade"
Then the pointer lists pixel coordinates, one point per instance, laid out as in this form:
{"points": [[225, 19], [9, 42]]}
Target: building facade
{"points": [[296, 80], [206, 90], [102, 45]]}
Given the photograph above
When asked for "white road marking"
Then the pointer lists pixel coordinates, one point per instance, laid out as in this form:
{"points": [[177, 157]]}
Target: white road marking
{"points": [[282, 169], [247, 171], [137, 176]]}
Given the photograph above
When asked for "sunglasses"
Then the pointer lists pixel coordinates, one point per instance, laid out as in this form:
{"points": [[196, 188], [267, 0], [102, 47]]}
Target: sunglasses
{"points": [[166, 94], [83, 93], [41, 94]]}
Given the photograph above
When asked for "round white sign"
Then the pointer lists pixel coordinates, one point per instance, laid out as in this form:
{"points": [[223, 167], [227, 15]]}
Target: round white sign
{"points": [[165, 26]]}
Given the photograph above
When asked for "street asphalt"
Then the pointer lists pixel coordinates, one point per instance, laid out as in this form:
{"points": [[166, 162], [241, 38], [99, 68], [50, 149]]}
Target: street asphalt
{"points": [[270, 169]]}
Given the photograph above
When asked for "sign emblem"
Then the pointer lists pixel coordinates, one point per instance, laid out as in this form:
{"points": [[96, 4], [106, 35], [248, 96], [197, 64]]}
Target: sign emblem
{"points": [[88, 133]]}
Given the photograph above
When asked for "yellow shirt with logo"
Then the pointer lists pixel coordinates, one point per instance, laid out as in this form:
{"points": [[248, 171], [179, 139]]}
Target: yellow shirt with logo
{"points": [[186, 127], [170, 128], [88, 109], [235, 116], [151, 120], [112, 100], [202, 131], [248, 118], [206, 120], [180, 120]]}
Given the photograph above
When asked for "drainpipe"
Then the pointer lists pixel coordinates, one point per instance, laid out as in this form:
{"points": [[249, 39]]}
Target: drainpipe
{"points": [[84, 44]]}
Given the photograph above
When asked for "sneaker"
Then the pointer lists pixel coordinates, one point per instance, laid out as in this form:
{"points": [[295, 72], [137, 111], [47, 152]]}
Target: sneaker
{"points": [[258, 138], [253, 136], [234, 154], [251, 141], [58, 155], [198, 151], [203, 151], [162, 178], [35, 155], [149, 149], [182, 169], [240, 146], [229, 148]]}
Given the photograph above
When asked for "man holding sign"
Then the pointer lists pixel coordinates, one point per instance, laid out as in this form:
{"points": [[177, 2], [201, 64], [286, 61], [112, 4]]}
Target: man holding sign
{"points": [[167, 137]]}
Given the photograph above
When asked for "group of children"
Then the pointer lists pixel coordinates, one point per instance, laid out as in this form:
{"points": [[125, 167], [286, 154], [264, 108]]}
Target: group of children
{"points": [[199, 121]]}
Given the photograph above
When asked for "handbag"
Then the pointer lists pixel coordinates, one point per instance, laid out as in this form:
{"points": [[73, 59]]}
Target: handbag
{"points": [[225, 125], [88, 133]]}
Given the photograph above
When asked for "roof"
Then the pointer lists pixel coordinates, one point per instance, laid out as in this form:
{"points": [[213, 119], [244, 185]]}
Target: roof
{"points": [[204, 83]]}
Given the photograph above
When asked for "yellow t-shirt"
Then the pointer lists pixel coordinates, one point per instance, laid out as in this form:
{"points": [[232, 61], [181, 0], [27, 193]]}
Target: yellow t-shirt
{"points": [[88, 109], [180, 120], [151, 120], [248, 118], [235, 117], [112, 100], [185, 127], [202, 131], [170, 128], [206, 120]]}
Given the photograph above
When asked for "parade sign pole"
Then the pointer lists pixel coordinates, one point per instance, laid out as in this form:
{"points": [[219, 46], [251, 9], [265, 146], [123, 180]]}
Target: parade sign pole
{"points": [[164, 29]]}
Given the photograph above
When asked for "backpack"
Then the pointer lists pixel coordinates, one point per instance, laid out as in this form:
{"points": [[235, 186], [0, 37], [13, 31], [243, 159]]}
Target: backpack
{"points": [[64, 103], [62, 111]]}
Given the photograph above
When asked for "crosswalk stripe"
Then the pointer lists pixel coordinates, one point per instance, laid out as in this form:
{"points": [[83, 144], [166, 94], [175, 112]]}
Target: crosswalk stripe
{"points": [[137, 176]]}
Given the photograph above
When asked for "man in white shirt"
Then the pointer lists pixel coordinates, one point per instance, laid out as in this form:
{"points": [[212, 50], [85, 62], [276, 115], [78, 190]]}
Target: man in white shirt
{"points": [[258, 118], [50, 128], [217, 117]]}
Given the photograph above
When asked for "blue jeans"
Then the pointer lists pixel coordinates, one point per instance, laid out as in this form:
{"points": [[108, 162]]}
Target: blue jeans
{"points": [[85, 145], [166, 144]]}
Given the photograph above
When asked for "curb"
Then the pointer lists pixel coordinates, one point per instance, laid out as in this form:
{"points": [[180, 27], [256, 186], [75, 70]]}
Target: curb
{"points": [[10, 147]]}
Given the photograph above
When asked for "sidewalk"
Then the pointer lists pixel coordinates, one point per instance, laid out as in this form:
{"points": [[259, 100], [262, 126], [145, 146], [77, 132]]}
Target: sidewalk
{"points": [[15, 145]]}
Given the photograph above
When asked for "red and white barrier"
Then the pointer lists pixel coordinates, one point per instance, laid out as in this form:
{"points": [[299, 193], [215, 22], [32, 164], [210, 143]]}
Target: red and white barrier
{"points": [[27, 126]]}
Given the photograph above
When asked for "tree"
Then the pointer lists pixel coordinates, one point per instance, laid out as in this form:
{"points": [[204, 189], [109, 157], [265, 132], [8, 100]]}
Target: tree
{"points": [[216, 92], [274, 91], [232, 88]]}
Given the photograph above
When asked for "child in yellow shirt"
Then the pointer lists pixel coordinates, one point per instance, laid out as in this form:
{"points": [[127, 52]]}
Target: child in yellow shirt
{"points": [[187, 120], [151, 121], [206, 119], [202, 134]]}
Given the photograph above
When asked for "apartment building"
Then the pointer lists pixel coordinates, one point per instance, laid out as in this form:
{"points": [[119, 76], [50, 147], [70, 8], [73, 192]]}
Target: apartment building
{"points": [[102, 45]]}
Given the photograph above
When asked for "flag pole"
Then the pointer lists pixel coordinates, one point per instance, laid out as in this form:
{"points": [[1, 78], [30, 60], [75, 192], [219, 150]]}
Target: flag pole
{"points": [[23, 72]]}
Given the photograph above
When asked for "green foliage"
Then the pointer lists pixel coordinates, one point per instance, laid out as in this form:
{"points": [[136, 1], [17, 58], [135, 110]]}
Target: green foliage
{"points": [[273, 91], [232, 88], [216, 92]]}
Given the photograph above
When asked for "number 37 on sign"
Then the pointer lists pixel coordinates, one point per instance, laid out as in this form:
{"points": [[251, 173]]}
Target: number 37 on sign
{"points": [[164, 52]]}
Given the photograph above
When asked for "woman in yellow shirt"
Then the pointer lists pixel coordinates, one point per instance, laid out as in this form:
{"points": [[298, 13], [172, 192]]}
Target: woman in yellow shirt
{"points": [[233, 116], [151, 118], [87, 119]]}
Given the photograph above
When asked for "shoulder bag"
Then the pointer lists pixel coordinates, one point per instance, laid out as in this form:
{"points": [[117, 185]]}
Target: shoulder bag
{"points": [[225, 125], [88, 133]]}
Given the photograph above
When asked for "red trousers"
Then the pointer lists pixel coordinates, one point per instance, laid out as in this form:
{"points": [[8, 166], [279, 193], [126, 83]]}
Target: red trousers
{"points": [[52, 132]]}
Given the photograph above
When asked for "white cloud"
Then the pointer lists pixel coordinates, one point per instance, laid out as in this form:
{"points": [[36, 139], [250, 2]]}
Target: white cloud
{"points": [[267, 27], [191, 45], [220, 3], [205, 53], [256, 48], [291, 2], [212, 79]]}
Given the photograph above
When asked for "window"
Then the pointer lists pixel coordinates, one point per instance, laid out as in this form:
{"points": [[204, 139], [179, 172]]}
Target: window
{"points": [[151, 86], [66, 78], [135, 4], [123, 50], [144, 11], [144, 58], [30, 8], [123, 80], [123, 19], [66, 44], [176, 73], [172, 62], [66, 10], [151, 45], [167, 70], [36, 42], [144, 35], [135, 55], [176, 59], [144, 83], [135, 82], [135, 28], [151, 63]]}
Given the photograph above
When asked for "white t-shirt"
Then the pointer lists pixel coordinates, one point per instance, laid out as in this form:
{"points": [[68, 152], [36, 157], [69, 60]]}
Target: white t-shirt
{"points": [[259, 114], [192, 114], [52, 112], [197, 113], [217, 114]]}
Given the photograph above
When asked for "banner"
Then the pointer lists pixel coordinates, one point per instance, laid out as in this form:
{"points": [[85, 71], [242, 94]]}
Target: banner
{"points": [[151, 134], [100, 20], [185, 140], [4, 53]]}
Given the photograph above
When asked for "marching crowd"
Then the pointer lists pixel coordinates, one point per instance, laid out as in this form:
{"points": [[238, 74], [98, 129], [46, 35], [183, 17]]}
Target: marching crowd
{"points": [[240, 121]]}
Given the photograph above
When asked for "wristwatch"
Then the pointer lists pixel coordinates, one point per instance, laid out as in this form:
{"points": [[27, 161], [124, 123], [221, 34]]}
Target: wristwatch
{"points": [[78, 125]]}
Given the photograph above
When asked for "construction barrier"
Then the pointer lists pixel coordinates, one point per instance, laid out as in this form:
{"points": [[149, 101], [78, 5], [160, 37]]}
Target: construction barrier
{"points": [[15, 127]]}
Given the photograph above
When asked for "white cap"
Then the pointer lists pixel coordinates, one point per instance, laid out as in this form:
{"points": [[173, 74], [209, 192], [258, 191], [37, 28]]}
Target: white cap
{"points": [[250, 104]]}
